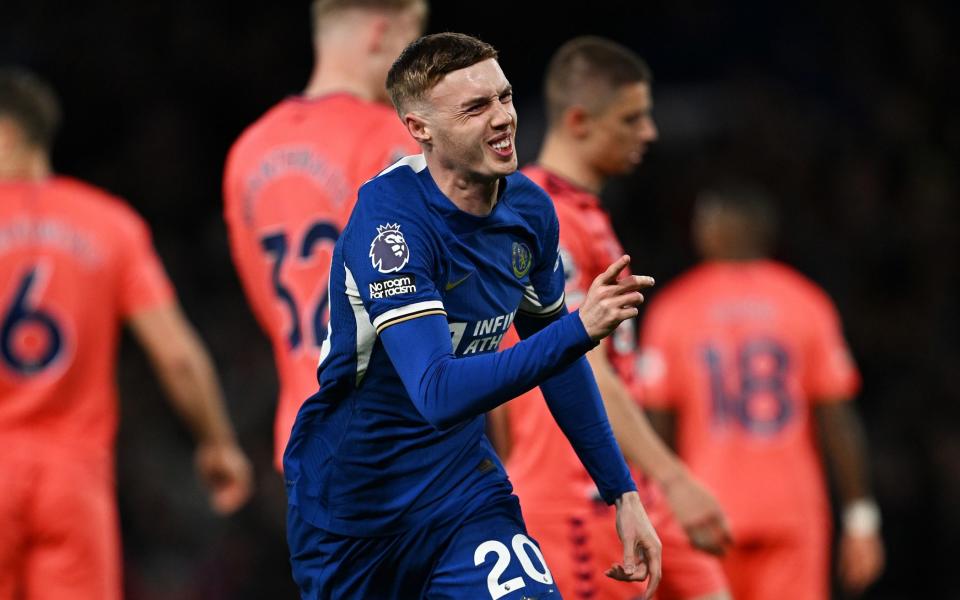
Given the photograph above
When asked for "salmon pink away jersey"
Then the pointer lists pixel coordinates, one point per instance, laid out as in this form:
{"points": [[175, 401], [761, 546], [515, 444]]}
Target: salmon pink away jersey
{"points": [[74, 262], [741, 351], [290, 183], [540, 455]]}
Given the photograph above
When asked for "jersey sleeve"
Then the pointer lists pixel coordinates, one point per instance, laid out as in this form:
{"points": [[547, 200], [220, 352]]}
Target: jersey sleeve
{"points": [[544, 296], [143, 282], [831, 372], [656, 365], [391, 262]]}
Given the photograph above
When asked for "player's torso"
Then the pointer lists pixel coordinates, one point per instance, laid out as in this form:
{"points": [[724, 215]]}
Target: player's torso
{"points": [[60, 319], [389, 461], [289, 188], [743, 354]]}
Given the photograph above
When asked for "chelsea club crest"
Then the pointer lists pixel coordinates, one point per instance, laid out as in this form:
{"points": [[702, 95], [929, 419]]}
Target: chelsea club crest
{"points": [[389, 251], [521, 259]]}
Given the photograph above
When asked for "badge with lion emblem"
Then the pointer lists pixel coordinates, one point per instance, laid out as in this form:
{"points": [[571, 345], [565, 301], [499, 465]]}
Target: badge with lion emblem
{"points": [[388, 251]]}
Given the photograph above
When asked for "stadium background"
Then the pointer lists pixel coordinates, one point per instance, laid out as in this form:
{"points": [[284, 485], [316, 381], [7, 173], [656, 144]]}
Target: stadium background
{"points": [[848, 113]]}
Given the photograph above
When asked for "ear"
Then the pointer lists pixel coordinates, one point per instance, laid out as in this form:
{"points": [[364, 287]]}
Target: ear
{"points": [[379, 25], [11, 135], [576, 120], [418, 127]]}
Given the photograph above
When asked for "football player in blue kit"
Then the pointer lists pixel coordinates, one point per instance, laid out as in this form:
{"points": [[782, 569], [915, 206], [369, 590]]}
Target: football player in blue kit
{"points": [[394, 490]]}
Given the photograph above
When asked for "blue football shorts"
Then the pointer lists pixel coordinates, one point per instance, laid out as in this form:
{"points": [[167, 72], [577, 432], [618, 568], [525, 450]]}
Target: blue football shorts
{"points": [[485, 555]]}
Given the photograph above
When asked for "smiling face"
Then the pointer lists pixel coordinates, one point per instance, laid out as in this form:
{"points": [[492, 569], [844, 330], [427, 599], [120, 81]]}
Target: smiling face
{"points": [[616, 137], [468, 123]]}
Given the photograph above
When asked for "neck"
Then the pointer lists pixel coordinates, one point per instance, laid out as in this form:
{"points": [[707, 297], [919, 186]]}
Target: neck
{"points": [[25, 165], [559, 155], [338, 72], [472, 195]]}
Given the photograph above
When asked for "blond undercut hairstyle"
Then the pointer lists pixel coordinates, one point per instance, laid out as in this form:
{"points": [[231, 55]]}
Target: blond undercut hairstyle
{"points": [[587, 71], [426, 61], [320, 10]]}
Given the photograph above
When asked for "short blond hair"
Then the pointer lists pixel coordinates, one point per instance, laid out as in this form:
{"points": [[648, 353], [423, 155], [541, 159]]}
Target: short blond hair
{"points": [[426, 61], [321, 9]]}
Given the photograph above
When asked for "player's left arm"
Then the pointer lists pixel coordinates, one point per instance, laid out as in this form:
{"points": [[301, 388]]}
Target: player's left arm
{"points": [[181, 361], [186, 371], [844, 447], [695, 507], [498, 431], [831, 379]]}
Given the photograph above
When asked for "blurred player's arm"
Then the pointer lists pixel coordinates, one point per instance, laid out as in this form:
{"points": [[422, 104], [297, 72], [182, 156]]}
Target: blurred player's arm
{"points": [[695, 507], [844, 449], [664, 422], [186, 371], [498, 430]]}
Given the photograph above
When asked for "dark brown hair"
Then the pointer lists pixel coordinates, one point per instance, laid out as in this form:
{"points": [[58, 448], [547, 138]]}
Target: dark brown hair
{"points": [[32, 103], [587, 70]]}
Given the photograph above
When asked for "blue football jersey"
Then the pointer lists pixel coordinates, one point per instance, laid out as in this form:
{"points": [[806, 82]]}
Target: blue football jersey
{"points": [[362, 459]]}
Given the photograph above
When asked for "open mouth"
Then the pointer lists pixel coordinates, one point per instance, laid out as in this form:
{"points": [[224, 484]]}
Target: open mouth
{"points": [[502, 146]]}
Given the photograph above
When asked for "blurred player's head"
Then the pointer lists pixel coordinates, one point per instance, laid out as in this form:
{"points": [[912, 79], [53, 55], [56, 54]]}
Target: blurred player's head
{"points": [[29, 118], [598, 96], [453, 97], [734, 221], [360, 39]]}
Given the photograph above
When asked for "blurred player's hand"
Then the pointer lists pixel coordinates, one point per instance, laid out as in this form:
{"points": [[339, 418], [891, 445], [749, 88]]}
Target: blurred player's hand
{"points": [[226, 472], [641, 546], [610, 301], [861, 560], [699, 513]]}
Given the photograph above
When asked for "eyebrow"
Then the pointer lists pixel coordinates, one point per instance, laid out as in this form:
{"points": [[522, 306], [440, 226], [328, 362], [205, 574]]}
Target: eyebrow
{"points": [[507, 89]]}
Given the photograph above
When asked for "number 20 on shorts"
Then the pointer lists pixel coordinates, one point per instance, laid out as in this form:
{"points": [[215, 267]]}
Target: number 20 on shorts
{"points": [[522, 546]]}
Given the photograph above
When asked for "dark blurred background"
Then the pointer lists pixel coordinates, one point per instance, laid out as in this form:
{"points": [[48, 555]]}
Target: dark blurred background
{"points": [[847, 112]]}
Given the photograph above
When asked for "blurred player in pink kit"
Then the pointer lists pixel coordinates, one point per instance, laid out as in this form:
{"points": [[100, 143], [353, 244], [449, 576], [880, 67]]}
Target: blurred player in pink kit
{"points": [[292, 177], [75, 264], [746, 368], [599, 124]]}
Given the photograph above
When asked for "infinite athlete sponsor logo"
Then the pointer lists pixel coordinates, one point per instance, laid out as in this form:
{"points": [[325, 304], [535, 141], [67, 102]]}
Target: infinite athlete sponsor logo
{"points": [[522, 258], [395, 286], [389, 251]]}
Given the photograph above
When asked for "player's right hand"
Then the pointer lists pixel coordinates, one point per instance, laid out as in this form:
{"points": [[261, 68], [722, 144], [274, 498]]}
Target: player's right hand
{"points": [[699, 513], [610, 301], [227, 473], [861, 561], [641, 546]]}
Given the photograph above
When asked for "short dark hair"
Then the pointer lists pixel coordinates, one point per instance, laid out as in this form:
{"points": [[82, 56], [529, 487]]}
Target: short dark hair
{"points": [[32, 103], [321, 9], [586, 65], [426, 61], [746, 198]]}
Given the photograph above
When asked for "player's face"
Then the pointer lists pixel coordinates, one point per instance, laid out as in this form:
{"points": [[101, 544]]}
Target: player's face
{"points": [[619, 135], [473, 122]]}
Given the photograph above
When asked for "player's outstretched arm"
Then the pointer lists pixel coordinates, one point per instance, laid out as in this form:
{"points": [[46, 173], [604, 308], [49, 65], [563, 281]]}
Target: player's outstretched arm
{"points": [[184, 367], [696, 509], [844, 445], [449, 390]]}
